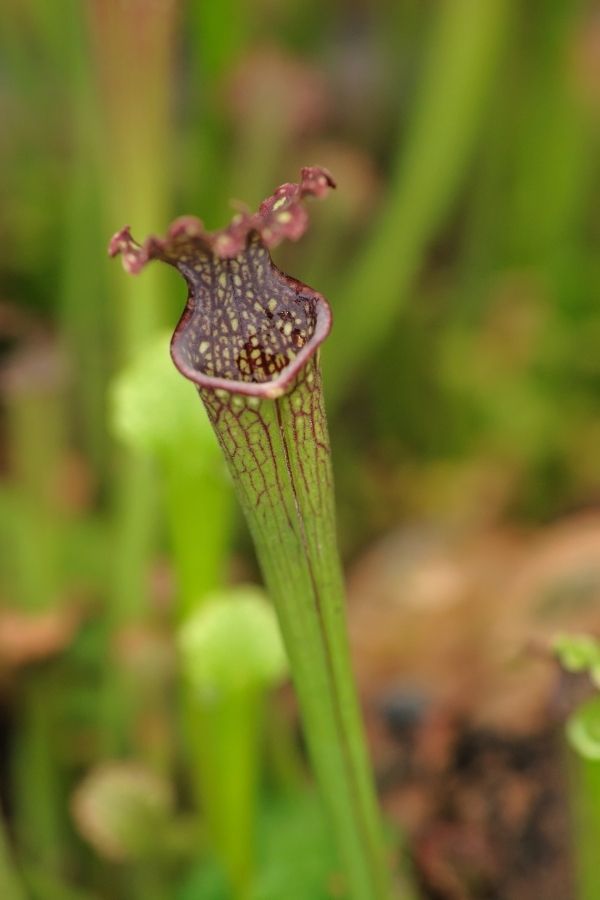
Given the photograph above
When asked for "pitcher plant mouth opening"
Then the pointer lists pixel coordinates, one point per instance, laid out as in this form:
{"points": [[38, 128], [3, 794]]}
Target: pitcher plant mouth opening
{"points": [[247, 328]]}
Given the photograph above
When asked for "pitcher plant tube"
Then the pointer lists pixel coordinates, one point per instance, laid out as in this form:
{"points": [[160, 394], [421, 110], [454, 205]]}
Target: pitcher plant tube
{"points": [[249, 340]]}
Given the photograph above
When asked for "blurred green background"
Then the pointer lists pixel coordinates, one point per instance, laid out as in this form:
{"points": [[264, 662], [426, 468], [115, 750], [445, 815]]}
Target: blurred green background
{"points": [[460, 256]]}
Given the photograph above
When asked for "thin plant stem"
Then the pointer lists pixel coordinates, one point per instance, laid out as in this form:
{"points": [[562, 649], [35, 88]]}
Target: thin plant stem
{"points": [[39, 819], [466, 45], [133, 52], [200, 554], [83, 325], [36, 418], [11, 887], [36, 427], [585, 807], [224, 738]]}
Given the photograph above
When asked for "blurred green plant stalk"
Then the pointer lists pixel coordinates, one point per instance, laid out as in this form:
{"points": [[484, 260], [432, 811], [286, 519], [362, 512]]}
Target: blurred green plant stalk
{"points": [[154, 414], [36, 438], [11, 887], [532, 391], [36, 431], [579, 654], [585, 808], [219, 33], [466, 41], [231, 652], [84, 323], [133, 47]]}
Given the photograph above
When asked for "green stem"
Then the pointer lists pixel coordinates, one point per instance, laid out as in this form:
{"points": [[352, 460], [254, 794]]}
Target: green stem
{"points": [[278, 452], [585, 802], [466, 44], [132, 67], [38, 787], [83, 325], [225, 739], [35, 413], [199, 550], [222, 732], [133, 539], [11, 887]]}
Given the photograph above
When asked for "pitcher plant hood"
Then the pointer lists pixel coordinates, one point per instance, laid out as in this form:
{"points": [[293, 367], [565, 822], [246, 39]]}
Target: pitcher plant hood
{"points": [[247, 327]]}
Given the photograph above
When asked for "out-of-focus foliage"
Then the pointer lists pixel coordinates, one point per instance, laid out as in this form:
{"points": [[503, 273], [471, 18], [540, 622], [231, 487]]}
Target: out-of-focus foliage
{"points": [[581, 654], [232, 644], [155, 410], [460, 255]]}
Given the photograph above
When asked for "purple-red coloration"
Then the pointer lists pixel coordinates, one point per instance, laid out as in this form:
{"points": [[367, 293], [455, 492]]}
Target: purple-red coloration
{"points": [[279, 217], [247, 327]]}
